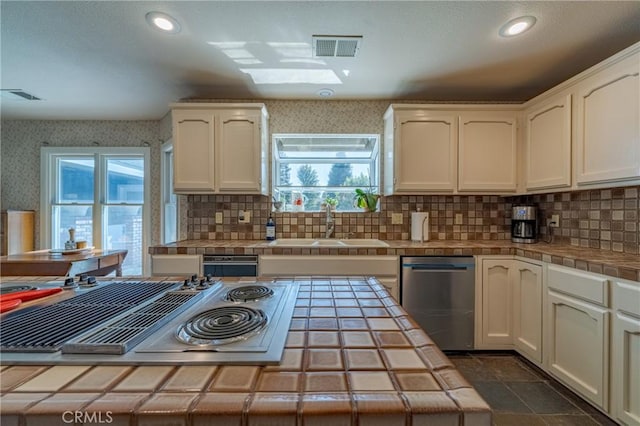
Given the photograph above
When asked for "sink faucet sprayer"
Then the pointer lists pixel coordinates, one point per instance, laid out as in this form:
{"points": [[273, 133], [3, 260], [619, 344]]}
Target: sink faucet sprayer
{"points": [[330, 223]]}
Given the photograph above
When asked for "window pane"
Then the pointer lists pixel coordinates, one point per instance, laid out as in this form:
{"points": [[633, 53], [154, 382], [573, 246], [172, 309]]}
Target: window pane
{"points": [[170, 221], [122, 229], [76, 180], [79, 217], [125, 180]]}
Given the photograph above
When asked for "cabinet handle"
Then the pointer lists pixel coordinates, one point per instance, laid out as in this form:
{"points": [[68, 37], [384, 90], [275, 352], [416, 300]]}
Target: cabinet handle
{"points": [[545, 111], [622, 77]]}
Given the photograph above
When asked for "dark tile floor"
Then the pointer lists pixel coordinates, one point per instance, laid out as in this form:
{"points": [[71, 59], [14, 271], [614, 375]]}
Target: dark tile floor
{"points": [[521, 394]]}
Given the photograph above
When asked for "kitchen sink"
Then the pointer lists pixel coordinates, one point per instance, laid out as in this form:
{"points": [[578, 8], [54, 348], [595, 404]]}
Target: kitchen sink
{"points": [[325, 242]]}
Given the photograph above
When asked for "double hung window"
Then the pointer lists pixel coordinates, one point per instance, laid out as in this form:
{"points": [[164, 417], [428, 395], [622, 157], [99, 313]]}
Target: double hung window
{"points": [[102, 194]]}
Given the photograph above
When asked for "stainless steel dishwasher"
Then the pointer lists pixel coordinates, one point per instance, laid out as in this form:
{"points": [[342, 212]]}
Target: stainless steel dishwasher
{"points": [[439, 293]]}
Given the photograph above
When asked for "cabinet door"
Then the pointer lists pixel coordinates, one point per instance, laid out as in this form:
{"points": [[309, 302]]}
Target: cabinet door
{"points": [[608, 125], [626, 369], [497, 330], [239, 152], [193, 151], [487, 152], [425, 152], [578, 346], [548, 150], [527, 310]]}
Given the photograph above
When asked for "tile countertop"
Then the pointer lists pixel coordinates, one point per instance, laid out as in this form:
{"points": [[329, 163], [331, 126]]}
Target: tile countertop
{"points": [[610, 263], [353, 356]]}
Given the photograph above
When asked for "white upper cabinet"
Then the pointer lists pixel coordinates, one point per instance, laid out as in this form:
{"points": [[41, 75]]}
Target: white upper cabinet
{"points": [[420, 148], [487, 152], [193, 150], [240, 151], [608, 124], [548, 144], [220, 148]]}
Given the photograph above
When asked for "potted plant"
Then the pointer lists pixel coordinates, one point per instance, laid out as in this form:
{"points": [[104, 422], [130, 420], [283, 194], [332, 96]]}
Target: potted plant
{"points": [[331, 201], [367, 199]]}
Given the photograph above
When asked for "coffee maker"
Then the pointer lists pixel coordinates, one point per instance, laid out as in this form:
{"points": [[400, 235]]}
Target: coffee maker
{"points": [[524, 224]]}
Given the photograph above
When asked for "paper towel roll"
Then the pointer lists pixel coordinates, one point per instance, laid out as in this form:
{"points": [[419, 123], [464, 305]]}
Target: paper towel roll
{"points": [[419, 226]]}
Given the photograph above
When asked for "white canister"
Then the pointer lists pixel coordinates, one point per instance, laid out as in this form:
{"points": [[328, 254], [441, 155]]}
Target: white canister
{"points": [[419, 226]]}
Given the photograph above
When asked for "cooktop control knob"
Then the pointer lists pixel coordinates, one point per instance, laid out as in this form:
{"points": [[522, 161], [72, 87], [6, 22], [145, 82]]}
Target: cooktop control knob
{"points": [[188, 285], [69, 284]]}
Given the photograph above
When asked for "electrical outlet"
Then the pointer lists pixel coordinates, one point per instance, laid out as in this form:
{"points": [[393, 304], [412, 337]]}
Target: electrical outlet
{"points": [[396, 218], [219, 218], [244, 216], [458, 218], [555, 218]]}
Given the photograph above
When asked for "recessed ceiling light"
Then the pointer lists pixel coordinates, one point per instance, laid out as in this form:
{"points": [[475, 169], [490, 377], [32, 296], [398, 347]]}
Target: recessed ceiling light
{"points": [[325, 93], [163, 22], [517, 26]]}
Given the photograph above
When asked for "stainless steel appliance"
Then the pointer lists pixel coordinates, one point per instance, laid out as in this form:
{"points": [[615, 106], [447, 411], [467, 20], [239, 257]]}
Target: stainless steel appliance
{"points": [[225, 265], [439, 293], [524, 224], [192, 322]]}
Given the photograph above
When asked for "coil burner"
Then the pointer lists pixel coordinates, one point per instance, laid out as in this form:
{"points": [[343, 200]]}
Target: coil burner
{"points": [[223, 325], [249, 293]]}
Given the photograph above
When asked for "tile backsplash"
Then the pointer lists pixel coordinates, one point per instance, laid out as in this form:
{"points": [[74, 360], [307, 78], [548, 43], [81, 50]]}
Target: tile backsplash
{"points": [[606, 219], [452, 217]]}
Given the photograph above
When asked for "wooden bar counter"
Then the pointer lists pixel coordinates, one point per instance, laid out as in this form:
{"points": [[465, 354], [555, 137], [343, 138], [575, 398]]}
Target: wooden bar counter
{"points": [[42, 262]]}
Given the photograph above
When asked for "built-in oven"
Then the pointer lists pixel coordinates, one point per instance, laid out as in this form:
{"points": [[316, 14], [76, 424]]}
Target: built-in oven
{"points": [[226, 265]]}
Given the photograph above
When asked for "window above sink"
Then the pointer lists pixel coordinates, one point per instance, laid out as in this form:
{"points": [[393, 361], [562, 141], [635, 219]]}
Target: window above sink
{"points": [[312, 169]]}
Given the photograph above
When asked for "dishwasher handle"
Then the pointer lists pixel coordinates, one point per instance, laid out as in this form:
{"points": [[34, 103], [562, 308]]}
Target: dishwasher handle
{"points": [[437, 267]]}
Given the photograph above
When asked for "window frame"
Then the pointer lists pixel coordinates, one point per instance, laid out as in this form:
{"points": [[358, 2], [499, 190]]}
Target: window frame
{"points": [[166, 176], [373, 163], [49, 182]]}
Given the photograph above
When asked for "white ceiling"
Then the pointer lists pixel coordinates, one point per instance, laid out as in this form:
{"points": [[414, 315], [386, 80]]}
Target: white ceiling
{"points": [[100, 59]]}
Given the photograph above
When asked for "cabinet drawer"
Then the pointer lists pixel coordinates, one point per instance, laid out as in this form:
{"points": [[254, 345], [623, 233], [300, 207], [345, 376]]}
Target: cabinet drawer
{"points": [[626, 297], [590, 287]]}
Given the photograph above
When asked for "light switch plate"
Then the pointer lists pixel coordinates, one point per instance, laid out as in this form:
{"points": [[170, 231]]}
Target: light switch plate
{"points": [[244, 216], [458, 218], [396, 218], [219, 218]]}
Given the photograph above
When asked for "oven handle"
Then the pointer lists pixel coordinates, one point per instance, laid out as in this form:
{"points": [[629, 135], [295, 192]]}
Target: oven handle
{"points": [[230, 263]]}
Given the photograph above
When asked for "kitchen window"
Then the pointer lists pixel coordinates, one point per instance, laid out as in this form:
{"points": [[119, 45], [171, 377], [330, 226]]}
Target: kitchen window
{"points": [[312, 169], [103, 194]]}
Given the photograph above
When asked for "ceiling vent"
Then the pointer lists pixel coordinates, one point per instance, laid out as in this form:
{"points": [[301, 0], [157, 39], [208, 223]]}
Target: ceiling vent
{"points": [[336, 46], [17, 95]]}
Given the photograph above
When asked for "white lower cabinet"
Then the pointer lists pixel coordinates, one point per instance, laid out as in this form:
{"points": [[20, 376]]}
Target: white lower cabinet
{"points": [[511, 307], [625, 353], [527, 310], [577, 332], [496, 320]]}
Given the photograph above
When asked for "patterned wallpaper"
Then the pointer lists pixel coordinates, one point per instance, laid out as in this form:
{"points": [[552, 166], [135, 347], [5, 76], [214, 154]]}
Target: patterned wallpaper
{"points": [[20, 163]]}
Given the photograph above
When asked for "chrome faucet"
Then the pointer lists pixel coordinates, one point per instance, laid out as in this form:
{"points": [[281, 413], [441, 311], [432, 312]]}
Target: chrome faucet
{"points": [[329, 222]]}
